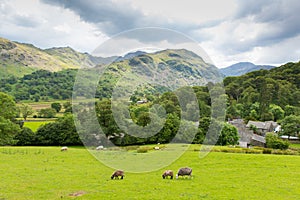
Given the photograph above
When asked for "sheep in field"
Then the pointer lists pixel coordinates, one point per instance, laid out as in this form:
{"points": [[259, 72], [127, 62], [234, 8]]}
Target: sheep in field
{"points": [[168, 173], [185, 171], [64, 149], [100, 148], [117, 173]]}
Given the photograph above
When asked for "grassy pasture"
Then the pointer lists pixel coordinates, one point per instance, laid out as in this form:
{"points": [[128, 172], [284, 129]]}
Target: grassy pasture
{"points": [[295, 145], [47, 173], [34, 125]]}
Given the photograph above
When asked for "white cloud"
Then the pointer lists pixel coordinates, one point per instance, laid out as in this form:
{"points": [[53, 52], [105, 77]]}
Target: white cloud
{"points": [[46, 26]]}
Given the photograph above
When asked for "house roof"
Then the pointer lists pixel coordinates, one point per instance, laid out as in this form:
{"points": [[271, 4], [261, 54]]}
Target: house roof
{"points": [[262, 125], [259, 138]]}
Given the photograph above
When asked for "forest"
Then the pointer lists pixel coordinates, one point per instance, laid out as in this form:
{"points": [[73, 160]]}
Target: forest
{"points": [[260, 95]]}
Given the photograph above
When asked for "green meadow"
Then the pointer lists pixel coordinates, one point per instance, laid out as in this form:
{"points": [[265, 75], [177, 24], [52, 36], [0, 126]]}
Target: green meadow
{"points": [[34, 125], [48, 173]]}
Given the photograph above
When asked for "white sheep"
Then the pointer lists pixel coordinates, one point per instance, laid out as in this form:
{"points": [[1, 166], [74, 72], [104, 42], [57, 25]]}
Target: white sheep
{"points": [[100, 148], [156, 148], [64, 149]]}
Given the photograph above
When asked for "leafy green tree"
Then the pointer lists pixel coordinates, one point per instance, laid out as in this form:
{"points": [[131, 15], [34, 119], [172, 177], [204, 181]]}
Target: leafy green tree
{"points": [[26, 110], [277, 112], [47, 113], [8, 109], [56, 106], [143, 119], [68, 107], [272, 141], [60, 132], [291, 110], [229, 135], [8, 127], [8, 130], [290, 125], [25, 137]]}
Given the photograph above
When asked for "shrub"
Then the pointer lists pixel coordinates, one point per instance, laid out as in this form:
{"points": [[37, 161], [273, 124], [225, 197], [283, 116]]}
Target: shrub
{"points": [[276, 143], [142, 150], [254, 151], [267, 151]]}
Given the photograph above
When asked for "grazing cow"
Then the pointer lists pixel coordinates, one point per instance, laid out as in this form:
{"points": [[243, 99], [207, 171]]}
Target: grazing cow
{"points": [[117, 173], [168, 173], [64, 149], [185, 171]]}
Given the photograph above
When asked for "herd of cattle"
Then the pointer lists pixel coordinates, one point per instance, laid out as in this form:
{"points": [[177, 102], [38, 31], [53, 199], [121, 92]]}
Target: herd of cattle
{"points": [[185, 171]]}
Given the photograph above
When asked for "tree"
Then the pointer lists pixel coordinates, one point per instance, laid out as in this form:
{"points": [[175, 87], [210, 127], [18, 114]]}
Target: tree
{"points": [[8, 109], [277, 112], [290, 125], [68, 107], [25, 137], [47, 113], [56, 106], [26, 110], [8, 130], [229, 135], [60, 132], [8, 127], [272, 141]]}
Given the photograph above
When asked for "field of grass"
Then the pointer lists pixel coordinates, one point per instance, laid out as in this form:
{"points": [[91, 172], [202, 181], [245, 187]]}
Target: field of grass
{"points": [[295, 145], [47, 173], [34, 125]]}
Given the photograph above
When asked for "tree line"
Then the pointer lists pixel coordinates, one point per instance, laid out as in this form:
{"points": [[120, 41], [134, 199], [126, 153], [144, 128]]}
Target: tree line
{"points": [[260, 95]]}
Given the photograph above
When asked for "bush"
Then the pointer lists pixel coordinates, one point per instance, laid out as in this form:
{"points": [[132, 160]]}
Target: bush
{"points": [[274, 142], [25, 137], [254, 151], [142, 150], [267, 151]]}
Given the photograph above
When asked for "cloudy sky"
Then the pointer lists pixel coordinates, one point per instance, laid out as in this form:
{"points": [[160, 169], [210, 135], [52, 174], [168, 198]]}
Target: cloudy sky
{"points": [[229, 31]]}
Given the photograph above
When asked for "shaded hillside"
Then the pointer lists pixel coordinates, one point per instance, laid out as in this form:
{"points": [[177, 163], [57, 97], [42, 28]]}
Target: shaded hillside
{"points": [[243, 68]]}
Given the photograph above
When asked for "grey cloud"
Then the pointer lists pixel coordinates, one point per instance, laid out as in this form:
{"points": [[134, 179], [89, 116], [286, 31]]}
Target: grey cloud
{"points": [[26, 21], [281, 16], [113, 18]]}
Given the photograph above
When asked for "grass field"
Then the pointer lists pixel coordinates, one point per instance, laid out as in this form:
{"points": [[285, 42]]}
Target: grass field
{"points": [[34, 125], [47, 173], [295, 145]]}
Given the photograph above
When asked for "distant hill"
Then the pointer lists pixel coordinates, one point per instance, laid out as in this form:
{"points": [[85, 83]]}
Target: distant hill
{"points": [[155, 73], [130, 55], [19, 59], [243, 68]]}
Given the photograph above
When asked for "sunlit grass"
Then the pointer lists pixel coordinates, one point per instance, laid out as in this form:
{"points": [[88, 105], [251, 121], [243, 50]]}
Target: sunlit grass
{"points": [[48, 173]]}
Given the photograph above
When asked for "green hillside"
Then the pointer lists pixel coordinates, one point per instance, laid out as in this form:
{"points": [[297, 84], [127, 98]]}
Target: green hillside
{"points": [[18, 59]]}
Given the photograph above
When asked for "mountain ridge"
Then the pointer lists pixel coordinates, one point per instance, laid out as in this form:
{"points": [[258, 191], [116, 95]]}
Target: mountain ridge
{"points": [[19, 59], [241, 68]]}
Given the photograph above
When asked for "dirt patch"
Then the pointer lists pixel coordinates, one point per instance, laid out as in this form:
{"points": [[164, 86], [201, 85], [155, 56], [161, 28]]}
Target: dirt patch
{"points": [[77, 194]]}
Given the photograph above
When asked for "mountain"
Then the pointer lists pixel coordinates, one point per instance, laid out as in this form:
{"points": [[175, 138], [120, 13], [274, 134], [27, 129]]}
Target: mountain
{"points": [[243, 68], [18, 58], [171, 67], [130, 55], [147, 73]]}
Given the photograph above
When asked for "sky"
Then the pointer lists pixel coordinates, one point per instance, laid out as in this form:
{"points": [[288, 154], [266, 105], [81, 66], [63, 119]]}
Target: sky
{"points": [[229, 31]]}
